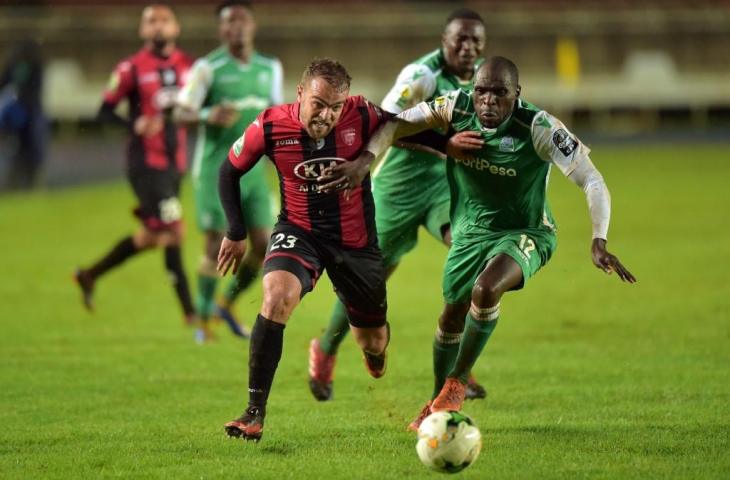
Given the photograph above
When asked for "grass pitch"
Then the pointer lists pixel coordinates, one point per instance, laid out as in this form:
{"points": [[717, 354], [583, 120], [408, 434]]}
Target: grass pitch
{"points": [[587, 377]]}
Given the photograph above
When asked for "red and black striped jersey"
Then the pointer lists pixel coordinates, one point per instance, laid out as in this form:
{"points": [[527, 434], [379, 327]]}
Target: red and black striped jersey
{"points": [[150, 83], [300, 160]]}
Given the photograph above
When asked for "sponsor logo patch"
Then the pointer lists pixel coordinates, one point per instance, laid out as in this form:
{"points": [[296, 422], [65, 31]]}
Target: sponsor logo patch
{"points": [[482, 164], [311, 170], [564, 142], [286, 141]]}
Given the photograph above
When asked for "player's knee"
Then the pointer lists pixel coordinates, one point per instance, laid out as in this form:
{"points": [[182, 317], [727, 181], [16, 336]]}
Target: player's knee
{"points": [[279, 302], [485, 294]]}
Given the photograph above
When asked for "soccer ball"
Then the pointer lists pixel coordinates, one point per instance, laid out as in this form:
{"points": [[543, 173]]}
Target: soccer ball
{"points": [[448, 441]]}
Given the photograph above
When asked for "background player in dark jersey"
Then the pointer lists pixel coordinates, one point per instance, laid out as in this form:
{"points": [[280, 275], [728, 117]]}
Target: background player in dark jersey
{"points": [[149, 81], [316, 231]]}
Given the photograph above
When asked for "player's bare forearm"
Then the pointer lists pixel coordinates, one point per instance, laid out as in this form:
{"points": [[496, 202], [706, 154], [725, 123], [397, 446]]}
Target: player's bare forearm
{"points": [[608, 262]]}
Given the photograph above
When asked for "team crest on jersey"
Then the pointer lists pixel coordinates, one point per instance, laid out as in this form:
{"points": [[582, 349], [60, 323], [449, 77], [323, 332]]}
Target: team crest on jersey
{"points": [[238, 146], [507, 144], [564, 142], [348, 136], [311, 170]]}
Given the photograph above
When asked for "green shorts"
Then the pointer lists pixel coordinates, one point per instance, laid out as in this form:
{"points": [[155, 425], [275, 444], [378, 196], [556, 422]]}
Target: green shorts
{"points": [[398, 222], [255, 201], [530, 248]]}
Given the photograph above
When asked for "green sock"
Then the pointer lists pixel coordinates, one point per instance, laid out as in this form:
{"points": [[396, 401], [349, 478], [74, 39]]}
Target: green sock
{"points": [[243, 279], [476, 333], [336, 330], [206, 292], [445, 349]]}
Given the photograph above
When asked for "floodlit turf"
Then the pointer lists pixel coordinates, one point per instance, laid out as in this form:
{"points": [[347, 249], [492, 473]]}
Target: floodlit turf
{"points": [[587, 377]]}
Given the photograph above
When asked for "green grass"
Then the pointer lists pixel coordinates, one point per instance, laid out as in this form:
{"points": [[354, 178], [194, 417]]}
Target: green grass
{"points": [[587, 377]]}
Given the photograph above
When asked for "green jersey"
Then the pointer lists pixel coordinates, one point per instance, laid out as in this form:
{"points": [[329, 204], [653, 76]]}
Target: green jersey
{"points": [[502, 187], [403, 171], [219, 78]]}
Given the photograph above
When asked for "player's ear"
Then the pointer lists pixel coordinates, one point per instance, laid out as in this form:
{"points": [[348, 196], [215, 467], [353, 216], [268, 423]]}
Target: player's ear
{"points": [[518, 90], [300, 89]]}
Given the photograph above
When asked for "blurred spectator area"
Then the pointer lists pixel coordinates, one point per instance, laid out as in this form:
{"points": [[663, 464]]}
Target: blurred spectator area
{"points": [[597, 62]]}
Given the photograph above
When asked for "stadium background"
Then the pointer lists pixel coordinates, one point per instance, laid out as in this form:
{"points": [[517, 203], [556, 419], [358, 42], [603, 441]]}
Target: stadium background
{"points": [[608, 381]]}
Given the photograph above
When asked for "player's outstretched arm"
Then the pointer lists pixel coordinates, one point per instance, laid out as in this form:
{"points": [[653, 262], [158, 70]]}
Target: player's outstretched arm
{"points": [[233, 245], [349, 175], [554, 143], [586, 176]]}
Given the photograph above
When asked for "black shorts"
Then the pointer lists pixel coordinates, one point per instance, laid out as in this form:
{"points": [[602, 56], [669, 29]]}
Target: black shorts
{"points": [[157, 191], [357, 274]]}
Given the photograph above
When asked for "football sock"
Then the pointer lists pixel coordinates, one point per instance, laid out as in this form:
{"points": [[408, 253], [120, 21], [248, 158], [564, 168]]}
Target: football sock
{"points": [[445, 349], [244, 277], [267, 340], [480, 323], [336, 330], [207, 281], [174, 266], [206, 292], [118, 254]]}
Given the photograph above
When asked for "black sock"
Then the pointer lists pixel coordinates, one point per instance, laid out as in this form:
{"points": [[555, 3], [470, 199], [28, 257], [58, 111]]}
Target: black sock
{"points": [[118, 254], [267, 339], [174, 266]]}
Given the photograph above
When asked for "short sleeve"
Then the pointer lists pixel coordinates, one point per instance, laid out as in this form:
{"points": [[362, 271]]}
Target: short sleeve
{"points": [[120, 83], [193, 93], [376, 116], [247, 150], [554, 143], [414, 84]]}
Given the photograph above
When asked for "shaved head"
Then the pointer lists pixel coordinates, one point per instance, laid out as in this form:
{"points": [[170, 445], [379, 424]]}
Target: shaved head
{"points": [[498, 65], [496, 88]]}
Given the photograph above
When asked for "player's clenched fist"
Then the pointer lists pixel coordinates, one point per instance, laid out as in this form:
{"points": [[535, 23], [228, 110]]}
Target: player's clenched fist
{"points": [[230, 255]]}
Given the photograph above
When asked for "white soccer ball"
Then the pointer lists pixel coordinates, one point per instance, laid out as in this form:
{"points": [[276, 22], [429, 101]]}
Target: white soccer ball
{"points": [[448, 441]]}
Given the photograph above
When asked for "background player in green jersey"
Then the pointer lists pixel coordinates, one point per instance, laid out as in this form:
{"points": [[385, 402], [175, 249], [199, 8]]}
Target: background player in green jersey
{"points": [[226, 90], [406, 197], [503, 231]]}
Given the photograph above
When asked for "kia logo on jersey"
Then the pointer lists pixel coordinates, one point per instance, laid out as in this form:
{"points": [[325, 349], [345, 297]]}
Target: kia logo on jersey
{"points": [[311, 170]]}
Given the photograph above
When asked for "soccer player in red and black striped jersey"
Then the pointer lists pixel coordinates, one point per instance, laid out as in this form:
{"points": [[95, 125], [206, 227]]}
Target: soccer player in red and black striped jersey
{"points": [[149, 81], [316, 230]]}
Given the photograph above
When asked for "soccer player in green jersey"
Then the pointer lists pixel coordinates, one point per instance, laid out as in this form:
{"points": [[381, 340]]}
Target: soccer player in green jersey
{"points": [[407, 197], [226, 90], [502, 227]]}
